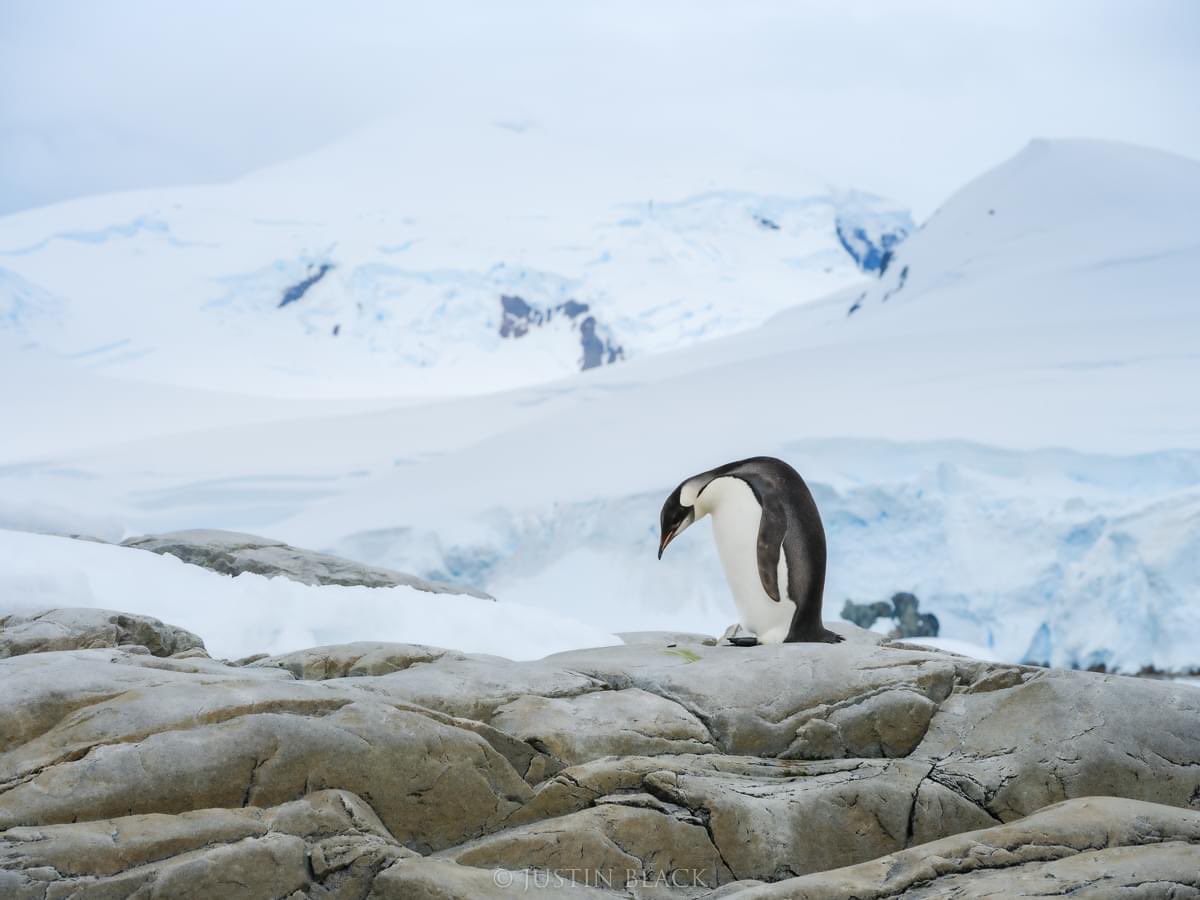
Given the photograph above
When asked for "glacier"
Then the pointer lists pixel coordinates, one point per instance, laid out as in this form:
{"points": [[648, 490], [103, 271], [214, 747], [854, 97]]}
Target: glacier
{"points": [[1005, 426], [377, 265]]}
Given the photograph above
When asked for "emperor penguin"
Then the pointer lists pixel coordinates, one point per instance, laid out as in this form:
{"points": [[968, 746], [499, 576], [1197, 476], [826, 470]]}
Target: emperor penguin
{"points": [[770, 541]]}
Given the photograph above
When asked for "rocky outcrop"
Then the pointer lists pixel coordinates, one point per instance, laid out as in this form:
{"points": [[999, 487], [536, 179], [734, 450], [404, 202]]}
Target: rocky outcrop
{"points": [[327, 839], [871, 240], [1095, 847], [668, 767], [84, 628], [596, 844], [603, 723], [328, 844], [232, 553], [348, 660], [902, 609], [194, 741]]}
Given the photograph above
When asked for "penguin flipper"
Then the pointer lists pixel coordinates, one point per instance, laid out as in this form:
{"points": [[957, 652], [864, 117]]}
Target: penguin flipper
{"points": [[771, 530]]}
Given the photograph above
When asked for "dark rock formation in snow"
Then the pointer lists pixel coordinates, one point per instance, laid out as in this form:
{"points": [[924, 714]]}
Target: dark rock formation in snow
{"points": [[518, 317], [870, 243], [902, 608], [300, 288]]}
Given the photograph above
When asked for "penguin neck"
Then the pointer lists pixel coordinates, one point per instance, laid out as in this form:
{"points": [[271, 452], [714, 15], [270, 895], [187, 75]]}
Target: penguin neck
{"points": [[690, 493], [707, 497]]}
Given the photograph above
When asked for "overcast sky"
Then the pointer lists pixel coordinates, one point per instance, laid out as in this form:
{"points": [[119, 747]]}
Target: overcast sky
{"points": [[908, 99]]}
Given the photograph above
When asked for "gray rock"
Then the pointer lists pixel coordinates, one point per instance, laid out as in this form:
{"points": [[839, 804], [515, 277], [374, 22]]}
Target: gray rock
{"points": [[1010, 739], [784, 820], [41, 690], [348, 660], [327, 844], [170, 742], [474, 686], [666, 638], [953, 724], [1095, 847], [864, 615], [607, 844], [738, 765], [1058, 735], [765, 701], [902, 609], [605, 723], [81, 628], [442, 879], [770, 819], [232, 553], [329, 840]]}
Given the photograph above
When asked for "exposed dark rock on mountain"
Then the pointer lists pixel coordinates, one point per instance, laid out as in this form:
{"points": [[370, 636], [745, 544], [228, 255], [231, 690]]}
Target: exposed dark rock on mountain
{"points": [[596, 351], [518, 318], [871, 249], [300, 288]]}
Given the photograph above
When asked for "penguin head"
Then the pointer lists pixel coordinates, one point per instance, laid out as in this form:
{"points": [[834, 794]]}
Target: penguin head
{"points": [[675, 517]]}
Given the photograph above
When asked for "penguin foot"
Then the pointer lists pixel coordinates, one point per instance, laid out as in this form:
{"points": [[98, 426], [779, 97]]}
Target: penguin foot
{"points": [[823, 636]]}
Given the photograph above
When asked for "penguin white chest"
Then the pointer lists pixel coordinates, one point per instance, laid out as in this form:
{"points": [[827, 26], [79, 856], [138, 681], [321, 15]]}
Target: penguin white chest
{"points": [[736, 515]]}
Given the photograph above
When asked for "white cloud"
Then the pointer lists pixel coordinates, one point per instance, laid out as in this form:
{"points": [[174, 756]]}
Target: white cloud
{"points": [[906, 99]]}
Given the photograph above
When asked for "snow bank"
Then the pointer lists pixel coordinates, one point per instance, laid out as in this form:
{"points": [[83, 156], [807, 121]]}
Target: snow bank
{"points": [[251, 614]]}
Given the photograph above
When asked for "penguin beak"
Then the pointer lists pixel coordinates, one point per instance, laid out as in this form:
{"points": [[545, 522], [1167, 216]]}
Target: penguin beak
{"points": [[666, 539], [663, 544]]}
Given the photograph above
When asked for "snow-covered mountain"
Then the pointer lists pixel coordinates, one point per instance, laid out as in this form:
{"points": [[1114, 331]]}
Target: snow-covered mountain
{"points": [[1049, 304], [394, 263], [1057, 211]]}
